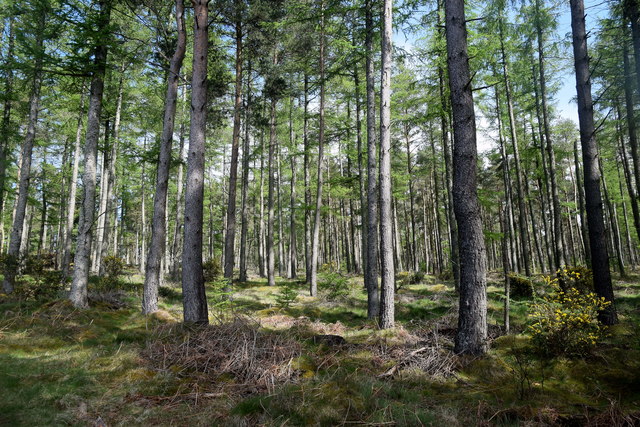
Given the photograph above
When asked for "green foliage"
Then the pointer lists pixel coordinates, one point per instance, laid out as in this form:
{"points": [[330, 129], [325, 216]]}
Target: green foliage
{"points": [[45, 286], [219, 295], [566, 322], [520, 286], [113, 267], [416, 278], [211, 270], [334, 284], [37, 264], [287, 295]]}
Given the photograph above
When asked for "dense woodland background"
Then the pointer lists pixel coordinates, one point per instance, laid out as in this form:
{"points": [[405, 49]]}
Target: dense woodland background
{"points": [[217, 144]]}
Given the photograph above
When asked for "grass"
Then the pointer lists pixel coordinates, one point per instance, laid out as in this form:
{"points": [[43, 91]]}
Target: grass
{"points": [[61, 366]]}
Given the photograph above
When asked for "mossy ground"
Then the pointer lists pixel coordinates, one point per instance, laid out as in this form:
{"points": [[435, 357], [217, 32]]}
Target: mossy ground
{"points": [[62, 366]]}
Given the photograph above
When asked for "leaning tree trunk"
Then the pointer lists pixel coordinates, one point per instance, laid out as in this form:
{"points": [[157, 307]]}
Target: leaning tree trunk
{"points": [[471, 336], [194, 298], [371, 278], [387, 271], [78, 295], [595, 214], [159, 230], [25, 168], [230, 235]]}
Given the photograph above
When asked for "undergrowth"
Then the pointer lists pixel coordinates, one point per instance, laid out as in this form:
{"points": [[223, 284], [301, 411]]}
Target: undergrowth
{"points": [[261, 365]]}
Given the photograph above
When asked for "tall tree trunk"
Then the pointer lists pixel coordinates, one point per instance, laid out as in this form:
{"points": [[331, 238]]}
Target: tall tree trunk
{"points": [[522, 222], [194, 298], [559, 250], [281, 258], [315, 245], [293, 247], [24, 181], [175, 251], [103, 247], [78, 295], [613, 222], [158, 230], [230, 235], [595, 217], [472, 319], [5, 127], [271, 256], [361, 178], [581, 205], [371, 278], [387, 272], [246, 156], [71, 204], [307, 182]]}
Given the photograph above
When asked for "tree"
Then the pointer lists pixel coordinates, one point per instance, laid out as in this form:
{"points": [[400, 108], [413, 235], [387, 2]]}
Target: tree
{"points": [[472, 318], [386, 228], [78, 294], [593, 197], [193, 292], [159, 230]]}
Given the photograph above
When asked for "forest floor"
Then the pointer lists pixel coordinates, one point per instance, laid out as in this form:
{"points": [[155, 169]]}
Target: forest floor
{"points": [[263, 362]]}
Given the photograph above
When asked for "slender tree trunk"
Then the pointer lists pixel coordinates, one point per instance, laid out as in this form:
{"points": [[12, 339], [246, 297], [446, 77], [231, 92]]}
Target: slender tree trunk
{"points": [[506, 267], [179, 219], [387, 272], [361, 178], [246, 156], [271, 258], [559, 250], [71, 204], [230, 235], [194, 298], [102, 206], [581, 206], [111, 181], [159, 230], [293, 247], [307, 183], [281, 258], [78, 295], [472, 319], [24, 181], [315, 245], [5, 129], [595, 217], [371, 279], [522, 222]]}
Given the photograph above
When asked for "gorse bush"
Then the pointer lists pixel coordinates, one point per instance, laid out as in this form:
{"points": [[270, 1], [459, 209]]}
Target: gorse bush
{"points": [[520, 286], [566, 322], [580, 278]]}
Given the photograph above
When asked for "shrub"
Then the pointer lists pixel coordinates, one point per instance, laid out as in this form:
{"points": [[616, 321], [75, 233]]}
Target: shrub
{"points": [[580, 278], [416, 277], [211, 269], [37, 264], [335, 284], [112, 267], [287, 295], [44, 286], [520, 286], [566, 322]]}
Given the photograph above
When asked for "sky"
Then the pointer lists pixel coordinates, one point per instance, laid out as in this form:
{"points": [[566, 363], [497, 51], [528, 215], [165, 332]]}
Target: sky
{"points": [[564, 99]]}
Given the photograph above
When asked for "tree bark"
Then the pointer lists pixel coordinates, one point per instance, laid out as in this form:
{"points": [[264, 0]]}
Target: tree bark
{"points": [[158, 230], [387, 271], [78, 295], [194, 298], [246, 156], [595, 217], [271, 256], [472, 319], [371, 278]]}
